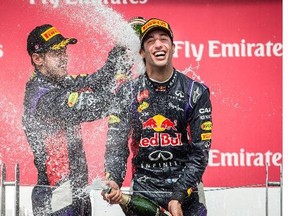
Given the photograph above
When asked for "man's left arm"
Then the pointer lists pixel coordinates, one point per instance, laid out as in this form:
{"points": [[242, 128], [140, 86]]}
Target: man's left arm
{"points": [[200, 122]]}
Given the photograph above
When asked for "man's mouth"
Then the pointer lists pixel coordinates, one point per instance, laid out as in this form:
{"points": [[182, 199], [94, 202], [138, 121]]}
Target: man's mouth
{"points": [[62, 66], [160, 55]]}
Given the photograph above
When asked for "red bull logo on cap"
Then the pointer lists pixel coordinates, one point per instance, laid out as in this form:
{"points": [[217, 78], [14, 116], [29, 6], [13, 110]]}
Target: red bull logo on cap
{"points": [[160, 123]]}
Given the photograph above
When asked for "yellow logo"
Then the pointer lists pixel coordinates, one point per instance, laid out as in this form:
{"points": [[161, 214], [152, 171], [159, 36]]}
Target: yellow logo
{"points": [[143, 106], [32, 75], [206, 126], [113, 119], [189, 191], [206, 136], [60, 45], [74, 76], [155, 22], [72, 99], [49, 33], [159, 123]]}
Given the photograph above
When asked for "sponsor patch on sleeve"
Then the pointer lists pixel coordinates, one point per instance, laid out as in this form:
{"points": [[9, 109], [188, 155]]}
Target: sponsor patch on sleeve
{"points": [[72, 99], [189, 192], [113, 119], [206, 136], [206, 126]]}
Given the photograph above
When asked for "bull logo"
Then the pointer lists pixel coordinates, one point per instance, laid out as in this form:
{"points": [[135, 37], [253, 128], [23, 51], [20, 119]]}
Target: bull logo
{"points": [[160, 123]]}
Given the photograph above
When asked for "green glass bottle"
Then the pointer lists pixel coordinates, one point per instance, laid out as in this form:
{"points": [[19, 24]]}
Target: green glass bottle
{"points": [[136, 23], [143, 206], [140, 205]]}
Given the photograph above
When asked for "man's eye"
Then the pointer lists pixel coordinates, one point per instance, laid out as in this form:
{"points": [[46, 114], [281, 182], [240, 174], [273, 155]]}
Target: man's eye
{"points": [[164, 38], [150, 40]]}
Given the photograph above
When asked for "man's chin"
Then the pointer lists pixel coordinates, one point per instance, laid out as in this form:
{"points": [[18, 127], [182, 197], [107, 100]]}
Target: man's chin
{"points": [[162, 62], [62, 74], [59, 78]]}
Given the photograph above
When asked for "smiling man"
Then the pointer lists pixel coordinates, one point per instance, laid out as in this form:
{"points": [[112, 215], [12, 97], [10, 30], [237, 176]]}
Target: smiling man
{"points": [[170, 140]]}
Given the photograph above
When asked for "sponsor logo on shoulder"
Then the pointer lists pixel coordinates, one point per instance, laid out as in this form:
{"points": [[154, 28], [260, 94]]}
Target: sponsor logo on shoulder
{"points": [[113, 119]]}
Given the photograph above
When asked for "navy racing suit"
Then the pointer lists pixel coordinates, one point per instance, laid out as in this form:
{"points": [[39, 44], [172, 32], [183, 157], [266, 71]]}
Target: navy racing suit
{"points": [[170, 129], [53, 111]]}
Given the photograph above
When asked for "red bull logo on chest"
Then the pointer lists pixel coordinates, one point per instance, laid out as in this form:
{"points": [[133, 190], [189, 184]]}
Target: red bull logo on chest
{"points": [[161, 139], [159, 123]]}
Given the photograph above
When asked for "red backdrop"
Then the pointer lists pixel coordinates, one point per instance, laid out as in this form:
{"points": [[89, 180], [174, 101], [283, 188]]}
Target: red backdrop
{"points": [[234, 47]]}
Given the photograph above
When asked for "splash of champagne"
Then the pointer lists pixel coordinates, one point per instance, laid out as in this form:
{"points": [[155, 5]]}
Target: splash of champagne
{"points": [[97, 184], [106, 21]]}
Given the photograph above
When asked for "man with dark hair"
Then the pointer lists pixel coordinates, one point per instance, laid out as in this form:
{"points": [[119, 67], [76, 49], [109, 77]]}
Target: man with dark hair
{"points": [[54, 106], [167, 115]]}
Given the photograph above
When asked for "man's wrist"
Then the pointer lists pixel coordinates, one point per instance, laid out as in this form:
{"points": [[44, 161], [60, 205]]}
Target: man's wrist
{"points": [[178, 195], [109, 177]]}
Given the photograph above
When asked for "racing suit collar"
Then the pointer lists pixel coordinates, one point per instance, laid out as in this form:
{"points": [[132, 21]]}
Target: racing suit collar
{"points": [[161, 87], [46, 79]]}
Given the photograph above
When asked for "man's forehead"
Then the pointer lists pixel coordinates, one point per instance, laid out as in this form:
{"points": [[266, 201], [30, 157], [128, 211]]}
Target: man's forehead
{"points": [[157, 32], [61, 50]]}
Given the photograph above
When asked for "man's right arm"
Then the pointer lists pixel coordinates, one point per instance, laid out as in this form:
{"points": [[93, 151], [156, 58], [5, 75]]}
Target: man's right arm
{"points": [[103, 80], [117, 150], [73, 106]]}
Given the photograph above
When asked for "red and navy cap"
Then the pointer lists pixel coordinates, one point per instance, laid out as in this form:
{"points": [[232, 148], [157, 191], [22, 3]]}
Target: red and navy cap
{"points": [[152, 25], [46, 37]]}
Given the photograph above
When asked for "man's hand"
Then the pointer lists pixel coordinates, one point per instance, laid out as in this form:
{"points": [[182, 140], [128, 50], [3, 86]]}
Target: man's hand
{"points": [[174, 207], [122, 58], [114, 195], [117, 52]]}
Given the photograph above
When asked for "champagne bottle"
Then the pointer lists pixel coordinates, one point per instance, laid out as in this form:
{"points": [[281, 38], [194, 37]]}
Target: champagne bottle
{"points": [[136, 23], [141, 206]]}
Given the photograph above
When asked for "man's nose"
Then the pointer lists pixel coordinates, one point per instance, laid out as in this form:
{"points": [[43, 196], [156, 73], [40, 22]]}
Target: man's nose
{"points": [[158, 43], [64, 56]]}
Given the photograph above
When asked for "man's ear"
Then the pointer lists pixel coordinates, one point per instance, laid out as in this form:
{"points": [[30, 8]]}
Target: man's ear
{"points": [[37, 59], [141, 52]]}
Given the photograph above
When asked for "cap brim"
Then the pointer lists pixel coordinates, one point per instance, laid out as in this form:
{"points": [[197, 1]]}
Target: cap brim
{"points": [[72, 40], [63, 43], [154, 29]]}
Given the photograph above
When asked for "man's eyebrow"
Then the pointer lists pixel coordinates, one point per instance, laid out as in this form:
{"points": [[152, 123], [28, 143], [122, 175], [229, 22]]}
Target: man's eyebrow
{"points": [[161, 34]]}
